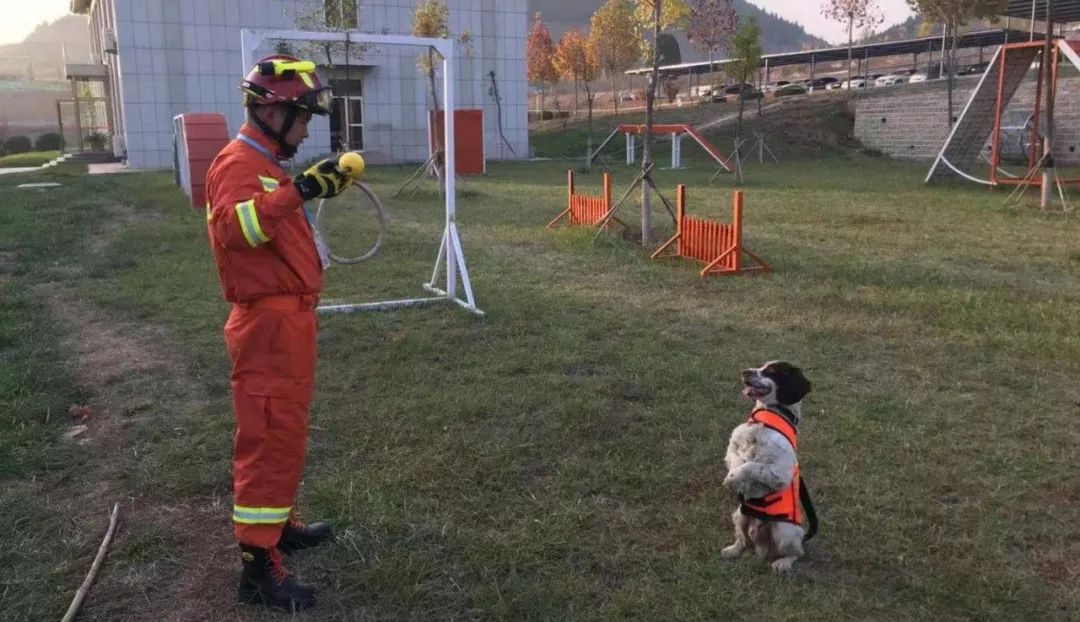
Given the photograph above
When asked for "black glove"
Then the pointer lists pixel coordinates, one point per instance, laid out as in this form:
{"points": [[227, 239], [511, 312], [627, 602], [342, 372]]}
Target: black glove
{"points": [[322, 181]]}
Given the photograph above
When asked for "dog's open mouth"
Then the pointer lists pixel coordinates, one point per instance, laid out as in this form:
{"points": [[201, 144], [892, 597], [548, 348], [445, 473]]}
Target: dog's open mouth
{"points": [[753, 392]]}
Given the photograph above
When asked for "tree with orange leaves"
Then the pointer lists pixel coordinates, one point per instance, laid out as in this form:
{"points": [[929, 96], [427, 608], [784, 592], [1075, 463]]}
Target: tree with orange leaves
{"points": [[576, 60], [539, 55], [614, 33]]}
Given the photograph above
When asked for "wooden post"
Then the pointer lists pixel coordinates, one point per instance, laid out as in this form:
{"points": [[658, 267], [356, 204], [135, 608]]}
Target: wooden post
{"points": [[736, 223], [1049, 57], [680, 213], [1034, 155], [607, 193]]}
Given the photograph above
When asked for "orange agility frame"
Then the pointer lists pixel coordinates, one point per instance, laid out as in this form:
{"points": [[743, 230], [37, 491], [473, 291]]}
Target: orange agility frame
{"points": [[585, 210], [717, 245]]}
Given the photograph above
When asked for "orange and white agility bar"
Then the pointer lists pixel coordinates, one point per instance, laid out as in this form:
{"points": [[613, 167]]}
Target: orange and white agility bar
{"points": [[719, 246]]}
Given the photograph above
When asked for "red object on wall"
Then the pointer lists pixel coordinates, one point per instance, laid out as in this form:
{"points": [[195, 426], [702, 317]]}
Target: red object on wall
{"points": [[203, 136], [468, 139]]}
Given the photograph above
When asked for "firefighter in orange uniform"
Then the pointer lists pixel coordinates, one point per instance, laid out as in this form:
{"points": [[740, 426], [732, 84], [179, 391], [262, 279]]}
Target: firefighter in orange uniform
{"points": [[271, 268]]}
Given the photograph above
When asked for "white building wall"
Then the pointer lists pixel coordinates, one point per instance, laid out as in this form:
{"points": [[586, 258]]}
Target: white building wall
{"points": [[178, 56]]}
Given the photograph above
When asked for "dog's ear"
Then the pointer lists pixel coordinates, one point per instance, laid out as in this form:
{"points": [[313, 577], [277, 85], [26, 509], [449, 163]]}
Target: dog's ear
{"points": [[793, 387]]}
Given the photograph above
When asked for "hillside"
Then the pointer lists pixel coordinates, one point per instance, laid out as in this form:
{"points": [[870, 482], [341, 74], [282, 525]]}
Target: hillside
{"points": [[779, 34], [40, 54], [914, 28]]}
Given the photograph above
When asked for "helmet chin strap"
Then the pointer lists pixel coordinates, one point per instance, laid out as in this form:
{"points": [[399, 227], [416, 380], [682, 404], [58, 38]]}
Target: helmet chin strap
{"points": [[287, 150]]}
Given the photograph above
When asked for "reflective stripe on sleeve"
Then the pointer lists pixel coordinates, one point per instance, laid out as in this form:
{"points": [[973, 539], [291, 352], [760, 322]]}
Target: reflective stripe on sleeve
{"points": [[249, 223], [269, 183]]}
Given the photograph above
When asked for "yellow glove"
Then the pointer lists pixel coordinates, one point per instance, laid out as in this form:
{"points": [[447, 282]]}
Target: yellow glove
{"points": [[322, 181]]}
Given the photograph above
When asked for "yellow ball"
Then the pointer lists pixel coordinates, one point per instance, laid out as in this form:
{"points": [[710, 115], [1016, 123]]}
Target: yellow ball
{"points": [[351, 163]]}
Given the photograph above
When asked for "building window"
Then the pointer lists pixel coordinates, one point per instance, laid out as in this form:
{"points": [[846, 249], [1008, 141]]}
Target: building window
{"points": [[341, 14], [347, 115]]}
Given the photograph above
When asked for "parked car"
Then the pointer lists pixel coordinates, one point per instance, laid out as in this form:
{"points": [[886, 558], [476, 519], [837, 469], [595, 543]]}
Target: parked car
{"points": [[732, 93], [771, 88], [791, 89], [890, 80], [702, 91], [857, 82], [917, 77]]}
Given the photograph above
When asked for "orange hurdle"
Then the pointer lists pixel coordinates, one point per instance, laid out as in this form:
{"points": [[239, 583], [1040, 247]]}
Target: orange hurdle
{"points": [[582, 209], [715, 244]]}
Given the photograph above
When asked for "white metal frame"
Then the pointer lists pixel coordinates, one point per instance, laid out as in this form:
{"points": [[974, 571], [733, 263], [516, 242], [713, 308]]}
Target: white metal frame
{"points": [[450, 249], [941, 159]]}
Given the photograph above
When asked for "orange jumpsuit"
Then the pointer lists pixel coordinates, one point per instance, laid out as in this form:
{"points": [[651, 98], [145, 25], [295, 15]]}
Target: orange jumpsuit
{"points": [[782, 505], [271, 271]]}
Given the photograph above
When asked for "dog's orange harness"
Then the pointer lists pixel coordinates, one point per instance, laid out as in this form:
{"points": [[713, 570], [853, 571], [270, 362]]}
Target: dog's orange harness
{"points": [[782, 505]]}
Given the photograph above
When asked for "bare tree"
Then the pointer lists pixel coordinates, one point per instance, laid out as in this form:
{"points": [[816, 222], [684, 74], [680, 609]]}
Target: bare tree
{"points": [[746, 49], [654, 16], [331, 16], [712, 22], [862, 14]]}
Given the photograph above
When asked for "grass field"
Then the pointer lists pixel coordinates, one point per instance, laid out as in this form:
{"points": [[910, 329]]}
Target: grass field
{"points": [[561, 457], [33, 158]]}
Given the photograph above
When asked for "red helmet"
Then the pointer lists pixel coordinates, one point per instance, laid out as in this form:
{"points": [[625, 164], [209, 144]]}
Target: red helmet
{"points": [[283, 79]]}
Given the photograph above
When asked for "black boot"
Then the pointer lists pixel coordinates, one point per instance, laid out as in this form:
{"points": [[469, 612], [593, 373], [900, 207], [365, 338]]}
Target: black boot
{"points": [[295, 535], [266, 582]]}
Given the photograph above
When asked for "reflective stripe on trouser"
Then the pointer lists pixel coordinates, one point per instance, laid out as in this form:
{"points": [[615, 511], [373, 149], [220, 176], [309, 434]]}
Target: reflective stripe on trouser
{"points": [[273, 354]]}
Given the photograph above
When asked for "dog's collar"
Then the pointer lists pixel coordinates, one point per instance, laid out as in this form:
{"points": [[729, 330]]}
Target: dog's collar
{"points": [[784, 412]]}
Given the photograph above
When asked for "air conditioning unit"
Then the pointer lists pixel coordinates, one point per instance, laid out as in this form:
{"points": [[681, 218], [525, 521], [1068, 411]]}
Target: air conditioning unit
{"points": [[108, 41]]}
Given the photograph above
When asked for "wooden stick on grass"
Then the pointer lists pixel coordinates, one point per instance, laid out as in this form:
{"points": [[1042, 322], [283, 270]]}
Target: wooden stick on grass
{"points": [[85, 587]]}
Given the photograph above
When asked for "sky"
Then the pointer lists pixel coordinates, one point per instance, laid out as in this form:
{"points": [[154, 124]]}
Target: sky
{"points": [[807, 13], [20, 17]]}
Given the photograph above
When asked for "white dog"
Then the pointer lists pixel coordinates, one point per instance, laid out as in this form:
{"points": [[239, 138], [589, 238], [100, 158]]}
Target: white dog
{"points": [[764, 470]]}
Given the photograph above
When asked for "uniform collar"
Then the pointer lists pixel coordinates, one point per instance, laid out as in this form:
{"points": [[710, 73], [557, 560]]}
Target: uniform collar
{"points": [[266, 142]]}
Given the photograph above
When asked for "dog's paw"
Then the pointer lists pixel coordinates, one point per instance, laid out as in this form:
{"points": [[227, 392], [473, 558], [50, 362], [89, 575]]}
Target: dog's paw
{"points": [[783, 565], [733, 551], [731, 477]]}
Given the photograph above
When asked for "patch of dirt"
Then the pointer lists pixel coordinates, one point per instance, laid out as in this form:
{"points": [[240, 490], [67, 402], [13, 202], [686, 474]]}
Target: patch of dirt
{"points": [[188, 572], [166, 562], [103, 351], [1058, 565]]}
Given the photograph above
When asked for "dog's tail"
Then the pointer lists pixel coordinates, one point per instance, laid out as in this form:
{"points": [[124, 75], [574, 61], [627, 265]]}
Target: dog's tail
{"points": [[808, 507]]}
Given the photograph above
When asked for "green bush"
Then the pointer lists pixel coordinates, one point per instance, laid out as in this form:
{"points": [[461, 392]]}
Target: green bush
{"points": [[49, 142], [18, 144], [97, 140]]}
